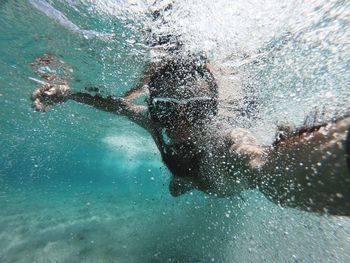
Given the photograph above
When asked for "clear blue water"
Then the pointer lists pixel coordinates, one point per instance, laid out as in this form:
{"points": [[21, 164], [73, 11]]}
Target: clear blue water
{"points": [[79, 185]]}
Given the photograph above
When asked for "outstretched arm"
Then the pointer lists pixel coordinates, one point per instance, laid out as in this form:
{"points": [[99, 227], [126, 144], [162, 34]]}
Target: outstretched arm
{"points": [[120, 106], [56, 90], [308, 169], [50, 94]]}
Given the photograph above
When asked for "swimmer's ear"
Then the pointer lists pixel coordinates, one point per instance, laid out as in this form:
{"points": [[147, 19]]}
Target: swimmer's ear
{"points": [[179, 186]]}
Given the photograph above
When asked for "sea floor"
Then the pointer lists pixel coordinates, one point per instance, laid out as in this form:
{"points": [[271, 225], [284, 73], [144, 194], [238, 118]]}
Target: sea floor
{"points": [[70, 223]]}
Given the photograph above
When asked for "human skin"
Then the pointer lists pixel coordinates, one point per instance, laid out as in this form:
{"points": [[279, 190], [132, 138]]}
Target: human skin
{"points": [[305, 168]]}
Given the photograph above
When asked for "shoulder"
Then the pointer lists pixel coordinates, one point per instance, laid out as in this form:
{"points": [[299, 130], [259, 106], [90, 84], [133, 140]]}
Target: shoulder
{"points": [[243, 143]]}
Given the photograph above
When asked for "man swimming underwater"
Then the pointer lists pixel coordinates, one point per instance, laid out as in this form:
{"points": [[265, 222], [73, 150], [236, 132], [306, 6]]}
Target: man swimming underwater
{"points": [[305, 168]]}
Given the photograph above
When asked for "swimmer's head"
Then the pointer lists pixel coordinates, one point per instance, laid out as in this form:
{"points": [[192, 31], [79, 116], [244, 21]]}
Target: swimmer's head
{"points": [[183, 92]]}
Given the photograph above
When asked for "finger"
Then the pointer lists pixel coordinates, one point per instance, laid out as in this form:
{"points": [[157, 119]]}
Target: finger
{"points": [[52, 91], [39, 92], [39, 106], [36, 94]]}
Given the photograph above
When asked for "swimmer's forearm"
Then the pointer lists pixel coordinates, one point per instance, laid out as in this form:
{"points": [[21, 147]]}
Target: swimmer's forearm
{"points": [[109, 104], [118, 106]]}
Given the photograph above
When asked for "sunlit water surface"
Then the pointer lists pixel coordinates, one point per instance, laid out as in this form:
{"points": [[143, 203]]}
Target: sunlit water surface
{"points": [[79, 185]]}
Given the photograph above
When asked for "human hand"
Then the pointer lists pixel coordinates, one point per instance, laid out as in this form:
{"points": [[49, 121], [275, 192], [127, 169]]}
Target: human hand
{"points": [[49, 95]]}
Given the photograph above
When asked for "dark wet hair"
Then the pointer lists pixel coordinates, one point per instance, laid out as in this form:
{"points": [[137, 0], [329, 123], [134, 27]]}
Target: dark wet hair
{"points": [[183, 84]]}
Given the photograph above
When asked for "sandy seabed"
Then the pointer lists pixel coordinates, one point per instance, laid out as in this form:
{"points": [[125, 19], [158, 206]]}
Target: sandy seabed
{"points": [[94, 224]]}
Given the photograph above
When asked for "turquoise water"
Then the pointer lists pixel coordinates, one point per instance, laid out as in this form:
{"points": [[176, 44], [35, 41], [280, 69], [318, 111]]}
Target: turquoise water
{"points": [[79, 185]]}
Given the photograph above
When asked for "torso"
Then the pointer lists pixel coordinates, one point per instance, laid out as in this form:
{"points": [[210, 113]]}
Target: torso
{"points": [[204, 157]]}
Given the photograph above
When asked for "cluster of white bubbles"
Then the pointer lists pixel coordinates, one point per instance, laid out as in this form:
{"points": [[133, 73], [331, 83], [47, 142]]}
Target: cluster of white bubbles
{"points": [[290, 57]]}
